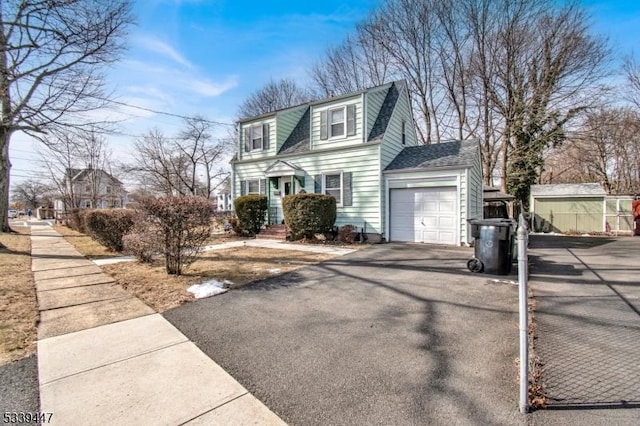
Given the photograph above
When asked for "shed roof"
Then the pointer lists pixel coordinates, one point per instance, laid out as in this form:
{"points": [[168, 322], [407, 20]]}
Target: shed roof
{"points": [[445, 154], [568, 190]]}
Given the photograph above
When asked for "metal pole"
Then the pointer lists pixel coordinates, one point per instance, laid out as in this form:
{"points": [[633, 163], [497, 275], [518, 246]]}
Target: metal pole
{"points": [[524, 321]]}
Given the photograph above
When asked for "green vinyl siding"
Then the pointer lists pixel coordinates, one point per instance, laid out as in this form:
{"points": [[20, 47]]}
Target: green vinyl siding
{"points": [[242, 154], [338, 141], [374, 100], [474, 194], [361, 161], [286, 121], [569, 214]]}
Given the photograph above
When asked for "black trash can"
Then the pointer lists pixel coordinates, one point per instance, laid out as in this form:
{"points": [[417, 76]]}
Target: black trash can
{"points": [[493, 246]]}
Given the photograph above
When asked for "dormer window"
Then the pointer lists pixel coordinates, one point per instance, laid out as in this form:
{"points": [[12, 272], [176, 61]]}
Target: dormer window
{"points": [[256, 137], [338, 122]]}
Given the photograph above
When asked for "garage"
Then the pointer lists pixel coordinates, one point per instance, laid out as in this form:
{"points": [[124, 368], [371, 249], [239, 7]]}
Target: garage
{"points": [[424, 215], [432, 192]]}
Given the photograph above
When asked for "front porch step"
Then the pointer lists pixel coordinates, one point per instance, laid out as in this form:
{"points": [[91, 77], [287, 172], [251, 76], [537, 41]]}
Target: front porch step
{"points": [[273, 232]]}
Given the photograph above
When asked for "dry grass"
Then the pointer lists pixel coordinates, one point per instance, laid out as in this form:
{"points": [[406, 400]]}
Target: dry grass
{"points": [[18, 306], [242, 266], [150, 282]]}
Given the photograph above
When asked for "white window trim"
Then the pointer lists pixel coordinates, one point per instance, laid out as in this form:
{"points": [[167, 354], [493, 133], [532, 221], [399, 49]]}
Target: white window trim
{"points": [[330, 134], [246, 189], [324, 185], [252, 132]]}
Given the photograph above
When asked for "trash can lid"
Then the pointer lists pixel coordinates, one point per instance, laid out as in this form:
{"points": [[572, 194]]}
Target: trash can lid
{"points": [[491, 222]]}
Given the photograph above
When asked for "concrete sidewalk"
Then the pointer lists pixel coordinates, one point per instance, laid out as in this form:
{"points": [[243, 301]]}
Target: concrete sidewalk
{"points": [[587, 314], [104, 357]]}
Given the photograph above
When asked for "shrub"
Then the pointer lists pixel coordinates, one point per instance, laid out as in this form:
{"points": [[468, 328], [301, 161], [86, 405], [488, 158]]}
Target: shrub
{"points": [[251, 211], [309, 214], [235, 225], [76, 220], [143, 243], [109, 226], [183, 223], [347, 234]]}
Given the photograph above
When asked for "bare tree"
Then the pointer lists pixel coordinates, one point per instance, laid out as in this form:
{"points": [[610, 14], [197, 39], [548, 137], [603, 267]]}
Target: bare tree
{"points": [[189, 164], [67, 155], [273, 96], [356, 64], [605, 148], [32, 193], [51, 54], [631, 91]]}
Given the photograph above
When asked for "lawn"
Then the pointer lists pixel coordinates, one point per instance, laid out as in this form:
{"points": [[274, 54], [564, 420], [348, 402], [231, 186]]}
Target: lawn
{"points": [[18, 306], [150, 283]]}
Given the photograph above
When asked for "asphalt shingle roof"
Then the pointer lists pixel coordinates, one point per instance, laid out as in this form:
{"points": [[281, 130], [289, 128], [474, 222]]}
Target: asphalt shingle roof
{"points": [[446, 154], [567, 189], [384, 116], [298, 140]]}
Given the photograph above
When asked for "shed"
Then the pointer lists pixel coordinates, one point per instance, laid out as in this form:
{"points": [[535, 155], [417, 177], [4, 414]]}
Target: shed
{"points": [[432, 191], [575, 207]]}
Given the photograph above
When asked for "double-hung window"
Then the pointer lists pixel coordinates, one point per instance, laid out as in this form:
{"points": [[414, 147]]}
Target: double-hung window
{"points": [[332, 185], [256, 137], [253, 186], [336, 122]]}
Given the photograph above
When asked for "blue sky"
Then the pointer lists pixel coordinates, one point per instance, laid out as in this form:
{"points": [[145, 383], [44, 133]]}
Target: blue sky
{"points": [[206, 56]]}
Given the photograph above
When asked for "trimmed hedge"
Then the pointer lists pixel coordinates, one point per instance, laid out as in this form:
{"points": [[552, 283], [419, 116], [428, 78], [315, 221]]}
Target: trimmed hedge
{"points": [[77, 219], [251, 211], [109, 226], [309, 214]]}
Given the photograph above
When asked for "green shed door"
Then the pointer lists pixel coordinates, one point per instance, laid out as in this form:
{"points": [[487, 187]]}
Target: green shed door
{"points": [[569, 214]]}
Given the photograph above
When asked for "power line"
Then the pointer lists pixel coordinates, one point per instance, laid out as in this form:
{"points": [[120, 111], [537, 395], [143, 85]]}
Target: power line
{"points": [[169, 114]]}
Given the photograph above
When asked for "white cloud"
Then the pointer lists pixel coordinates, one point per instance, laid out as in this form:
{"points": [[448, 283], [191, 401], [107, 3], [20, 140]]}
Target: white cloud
{"points": [[209, 89], [159, 46]]}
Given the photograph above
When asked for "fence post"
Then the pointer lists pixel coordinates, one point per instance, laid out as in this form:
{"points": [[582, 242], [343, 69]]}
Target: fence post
{"points": [[523, 237]]}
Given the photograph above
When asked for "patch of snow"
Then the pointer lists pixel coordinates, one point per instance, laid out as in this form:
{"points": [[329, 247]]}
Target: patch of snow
{"points": [[209, 288], [275, 271]]}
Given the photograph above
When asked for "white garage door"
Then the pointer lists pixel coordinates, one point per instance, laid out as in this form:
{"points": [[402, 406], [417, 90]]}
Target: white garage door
{"points": [[423, 215]]}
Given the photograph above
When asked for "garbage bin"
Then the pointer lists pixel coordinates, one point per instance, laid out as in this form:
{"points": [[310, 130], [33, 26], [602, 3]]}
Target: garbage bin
{"points": [[493, 246]]}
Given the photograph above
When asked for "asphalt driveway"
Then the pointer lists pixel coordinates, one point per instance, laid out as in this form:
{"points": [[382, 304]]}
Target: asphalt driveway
{"points": [[587, 314], [394, 334]]}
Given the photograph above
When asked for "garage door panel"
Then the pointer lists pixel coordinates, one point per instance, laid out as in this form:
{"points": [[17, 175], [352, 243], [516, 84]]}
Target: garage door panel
{"points": [[424, 215]]}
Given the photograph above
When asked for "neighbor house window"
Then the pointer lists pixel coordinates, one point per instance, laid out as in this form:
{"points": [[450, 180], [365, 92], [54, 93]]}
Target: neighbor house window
{"points": [[253, 186], [332, 183]]}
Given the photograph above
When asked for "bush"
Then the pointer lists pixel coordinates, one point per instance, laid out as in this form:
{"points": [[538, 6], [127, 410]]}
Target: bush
{"points": [[183, 223], [235, 225], [77, 220], [251, 211], [347, 234], [143, 243], [109, 226], [309, 214]]}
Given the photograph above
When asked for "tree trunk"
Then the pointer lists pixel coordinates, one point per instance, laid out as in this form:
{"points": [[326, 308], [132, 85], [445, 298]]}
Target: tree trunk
{"points": [[5, 173]]}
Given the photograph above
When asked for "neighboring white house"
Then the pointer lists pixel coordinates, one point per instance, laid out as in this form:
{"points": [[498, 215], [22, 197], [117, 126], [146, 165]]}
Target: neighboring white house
{"points": [[362, 149], [91, 188], [224, 202]]}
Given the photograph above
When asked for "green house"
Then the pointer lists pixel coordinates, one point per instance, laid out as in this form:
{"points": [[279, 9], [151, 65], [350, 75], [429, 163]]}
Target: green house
{"points": [[362, 148]]}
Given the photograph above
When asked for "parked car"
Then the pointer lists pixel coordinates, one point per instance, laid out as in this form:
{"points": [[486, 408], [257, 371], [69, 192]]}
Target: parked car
{"points": [[13, 214]]}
